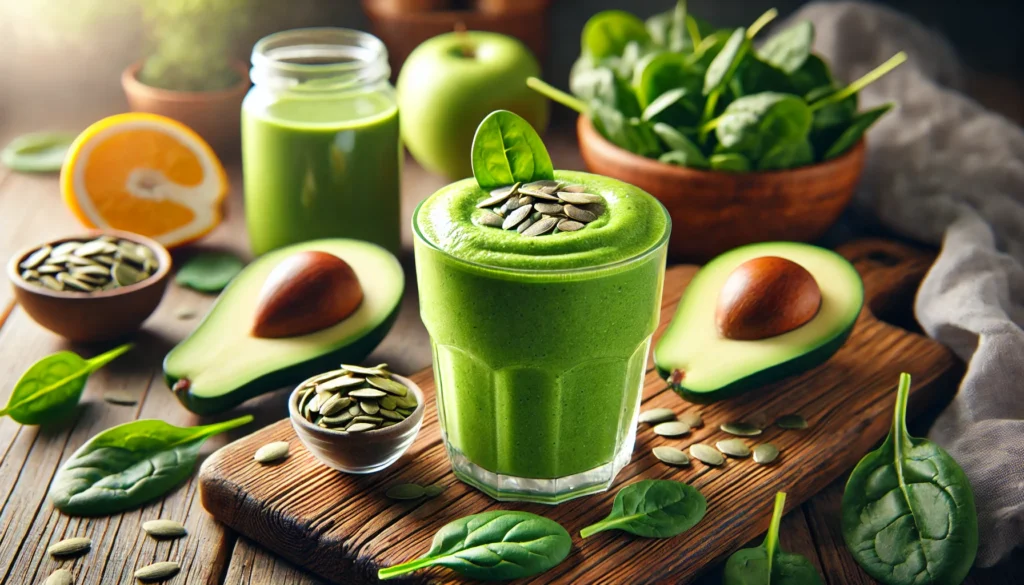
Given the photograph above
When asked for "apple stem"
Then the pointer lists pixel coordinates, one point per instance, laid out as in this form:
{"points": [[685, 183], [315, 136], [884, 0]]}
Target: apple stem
{"points": [[465, 42], [557, 95]]}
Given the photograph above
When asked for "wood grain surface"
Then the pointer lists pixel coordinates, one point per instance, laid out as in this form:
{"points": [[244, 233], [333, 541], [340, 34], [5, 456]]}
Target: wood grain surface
{"points": [[31, 211], [343, 528]]}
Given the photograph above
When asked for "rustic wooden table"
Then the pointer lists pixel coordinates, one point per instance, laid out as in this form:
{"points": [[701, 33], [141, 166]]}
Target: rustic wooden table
{"points": [[31, 212]]}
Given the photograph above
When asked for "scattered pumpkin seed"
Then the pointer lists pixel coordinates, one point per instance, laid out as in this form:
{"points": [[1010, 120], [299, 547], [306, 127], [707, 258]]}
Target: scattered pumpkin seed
{"points": [[671, 456], [672, 429], [60, 577], [792, 422], [405, 491], [741, 429], [765, 453], [706, 454], [733, 447], [656, 415], [164, 528], [693, 419], [158, 571], [272, 452], [120, 397], [70, 547], [185, 314]]}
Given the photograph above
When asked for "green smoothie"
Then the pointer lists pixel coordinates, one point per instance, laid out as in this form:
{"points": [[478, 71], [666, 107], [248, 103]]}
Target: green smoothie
{"points": [[321, 166], [540, 343]]}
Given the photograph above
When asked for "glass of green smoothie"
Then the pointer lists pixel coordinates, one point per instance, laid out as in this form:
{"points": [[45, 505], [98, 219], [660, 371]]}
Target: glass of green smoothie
{"points": [[320, 141], [540, 337]]}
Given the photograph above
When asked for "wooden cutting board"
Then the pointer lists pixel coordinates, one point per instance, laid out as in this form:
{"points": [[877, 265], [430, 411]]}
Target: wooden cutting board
{"points": [[343, 527]]}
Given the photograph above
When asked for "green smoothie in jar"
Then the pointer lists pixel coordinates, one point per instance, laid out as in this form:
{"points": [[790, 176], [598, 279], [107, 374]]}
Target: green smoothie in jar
{"points": [[321, 152]]}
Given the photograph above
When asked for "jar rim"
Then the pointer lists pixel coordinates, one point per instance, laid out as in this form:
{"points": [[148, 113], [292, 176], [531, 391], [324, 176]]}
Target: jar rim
{"points": [[332, 56]]}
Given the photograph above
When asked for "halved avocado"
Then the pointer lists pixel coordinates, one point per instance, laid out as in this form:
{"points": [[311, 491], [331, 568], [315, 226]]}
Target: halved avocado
{"points": [[703, 366], [221, 364]]}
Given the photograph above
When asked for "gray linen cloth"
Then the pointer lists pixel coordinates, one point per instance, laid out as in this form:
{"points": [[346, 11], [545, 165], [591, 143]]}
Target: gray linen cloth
{"points": [[943, 170]]}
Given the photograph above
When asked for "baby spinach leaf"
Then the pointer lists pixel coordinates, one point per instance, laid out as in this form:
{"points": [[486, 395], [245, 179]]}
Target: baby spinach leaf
{"points": [[755, 76], [654, 508], [507, 150], [665, 31], [812, 74], [667, 72], [209, 272], [52, 387], [856, 130], [789, 49], [754, 124], [128, 465], [607, 33], [865, 80], [787, 155], [908, 510], [725, 63], [678, 142], [768, 564], [493, 546], [729, 162], [663, 102], [601, 84]]}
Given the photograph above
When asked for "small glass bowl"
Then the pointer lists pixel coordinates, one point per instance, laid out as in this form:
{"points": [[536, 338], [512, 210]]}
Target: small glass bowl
{"points": [[365, 452]]}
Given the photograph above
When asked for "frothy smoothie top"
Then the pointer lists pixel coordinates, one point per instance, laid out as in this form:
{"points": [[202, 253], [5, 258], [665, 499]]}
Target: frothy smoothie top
{"points": [[633, 223]]}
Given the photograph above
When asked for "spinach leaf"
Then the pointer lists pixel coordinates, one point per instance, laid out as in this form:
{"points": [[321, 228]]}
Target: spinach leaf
{"points": [[865, 80], [607, 33], [725, 63], [665, 30], [768, 564], [830, 121], [787, 155], [662, 103], [812, 74], [678, 142], [493, 546], [908, 510], [665, 72], [789, 49], [507, 150], [754, 124], [130, 464], [856, 130], [603, 85], [654, 508], [51, 388], [209, 272], [729, 162], [755, 76]]}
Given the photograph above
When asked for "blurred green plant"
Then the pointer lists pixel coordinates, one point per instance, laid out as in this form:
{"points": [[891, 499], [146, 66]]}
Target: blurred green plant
{"points": [[190, 43]]}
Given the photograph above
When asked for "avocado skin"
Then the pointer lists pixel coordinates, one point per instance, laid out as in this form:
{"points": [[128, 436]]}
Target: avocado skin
{"points": [[775, 373], [292, 375]]}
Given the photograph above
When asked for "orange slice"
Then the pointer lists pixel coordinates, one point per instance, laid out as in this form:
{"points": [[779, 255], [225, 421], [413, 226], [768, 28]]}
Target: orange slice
{"points": [[145, 174]]}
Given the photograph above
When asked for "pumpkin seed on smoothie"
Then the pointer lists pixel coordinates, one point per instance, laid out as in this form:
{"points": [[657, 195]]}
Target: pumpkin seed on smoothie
{"points": [[539, 339]]}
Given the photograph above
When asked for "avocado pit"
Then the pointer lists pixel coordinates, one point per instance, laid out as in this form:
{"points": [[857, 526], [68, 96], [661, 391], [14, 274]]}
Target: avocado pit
{"points": [[764, 297], [306, 292]]}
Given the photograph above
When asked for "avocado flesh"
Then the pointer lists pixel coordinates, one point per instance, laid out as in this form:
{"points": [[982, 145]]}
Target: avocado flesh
{"points": [[711, 367], [225, 364]]}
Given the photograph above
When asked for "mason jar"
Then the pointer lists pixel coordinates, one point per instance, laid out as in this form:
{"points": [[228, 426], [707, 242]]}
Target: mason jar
{"points": [[321, 152]]}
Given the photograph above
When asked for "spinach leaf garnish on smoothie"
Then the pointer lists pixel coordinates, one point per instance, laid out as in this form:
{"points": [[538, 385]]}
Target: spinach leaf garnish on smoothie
{"points": [[506, 150]]}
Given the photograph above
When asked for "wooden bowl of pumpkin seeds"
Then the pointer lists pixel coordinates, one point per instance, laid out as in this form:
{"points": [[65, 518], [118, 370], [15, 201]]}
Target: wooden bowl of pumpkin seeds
{"points": [[97, 286], [357, 419]]}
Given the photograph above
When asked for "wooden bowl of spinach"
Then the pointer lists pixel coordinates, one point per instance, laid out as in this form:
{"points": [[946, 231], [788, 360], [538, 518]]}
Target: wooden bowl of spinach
{"points": [[741, 144]]}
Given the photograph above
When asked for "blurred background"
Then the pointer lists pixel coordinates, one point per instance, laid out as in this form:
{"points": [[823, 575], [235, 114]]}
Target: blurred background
{"points": [[62, 59]]}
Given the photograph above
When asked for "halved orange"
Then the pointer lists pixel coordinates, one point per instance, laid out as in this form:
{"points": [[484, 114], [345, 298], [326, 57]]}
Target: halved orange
{"points": [[145, 174]]}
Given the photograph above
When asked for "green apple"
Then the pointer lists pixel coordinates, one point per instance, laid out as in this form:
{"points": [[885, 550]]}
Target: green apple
{"points": [[451, 82]]}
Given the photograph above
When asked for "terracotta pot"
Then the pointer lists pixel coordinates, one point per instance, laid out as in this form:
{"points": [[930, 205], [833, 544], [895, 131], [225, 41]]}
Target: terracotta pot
{"points": [[95, 316], [715, 211], [214, 115], [404, 30]]}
